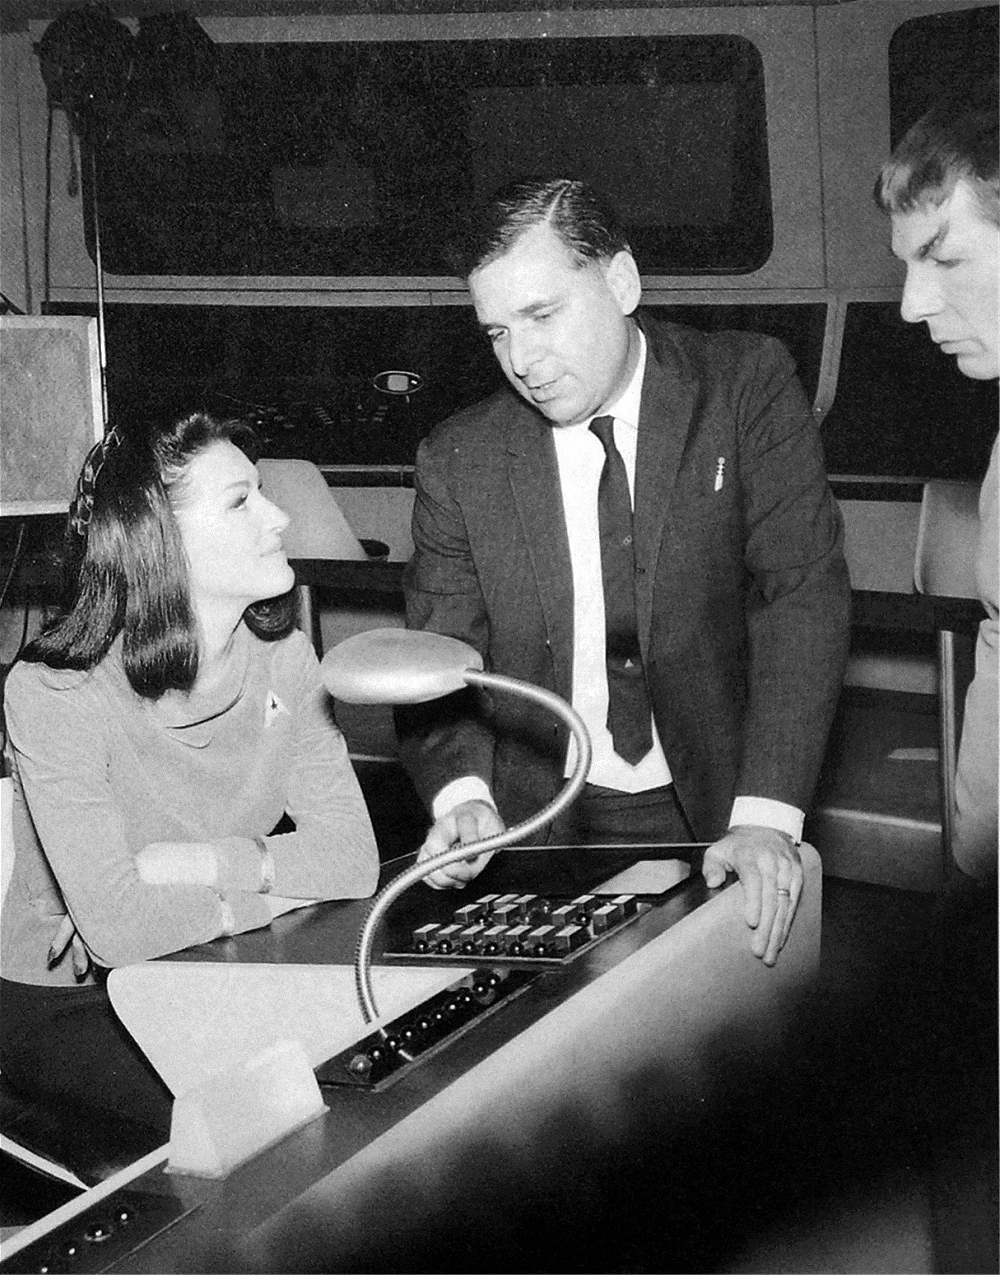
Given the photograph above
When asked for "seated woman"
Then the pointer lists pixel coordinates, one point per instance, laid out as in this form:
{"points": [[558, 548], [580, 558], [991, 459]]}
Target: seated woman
{"points": [[158, 733]]}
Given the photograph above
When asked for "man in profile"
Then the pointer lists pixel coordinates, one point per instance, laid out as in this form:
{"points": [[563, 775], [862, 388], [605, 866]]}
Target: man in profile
{"points": [[942, 192], [641, 522]]}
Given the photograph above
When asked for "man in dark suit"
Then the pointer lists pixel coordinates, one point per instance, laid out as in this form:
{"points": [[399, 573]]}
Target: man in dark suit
{"points": [[702, 639]]}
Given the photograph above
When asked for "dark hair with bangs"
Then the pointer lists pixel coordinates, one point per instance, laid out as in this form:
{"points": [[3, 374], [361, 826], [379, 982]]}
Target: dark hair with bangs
{"points": [[947, 145], [583, 220], [129, 572]]}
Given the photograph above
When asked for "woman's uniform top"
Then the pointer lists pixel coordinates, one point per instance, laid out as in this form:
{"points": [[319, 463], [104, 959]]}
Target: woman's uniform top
{"points": [[100, 772]]}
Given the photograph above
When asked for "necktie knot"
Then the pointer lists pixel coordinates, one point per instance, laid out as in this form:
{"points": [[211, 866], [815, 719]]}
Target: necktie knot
{"points": [[604, 428]]}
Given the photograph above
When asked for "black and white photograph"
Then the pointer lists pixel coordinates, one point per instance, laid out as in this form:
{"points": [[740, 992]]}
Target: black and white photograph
{"points": [[499, 587]]}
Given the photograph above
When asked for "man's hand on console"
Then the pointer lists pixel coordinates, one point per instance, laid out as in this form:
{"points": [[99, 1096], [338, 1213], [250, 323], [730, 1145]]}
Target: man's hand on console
{"points": [[770, 869], [465, 823]]}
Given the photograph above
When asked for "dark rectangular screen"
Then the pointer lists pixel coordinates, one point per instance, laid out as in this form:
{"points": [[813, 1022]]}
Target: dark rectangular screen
{"points": [[349, 159], [902, 407], [939, 55]]}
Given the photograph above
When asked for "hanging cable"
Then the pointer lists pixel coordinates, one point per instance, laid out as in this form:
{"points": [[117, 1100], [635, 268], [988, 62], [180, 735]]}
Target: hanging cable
{"points": [[47, 234], [17, 560]]}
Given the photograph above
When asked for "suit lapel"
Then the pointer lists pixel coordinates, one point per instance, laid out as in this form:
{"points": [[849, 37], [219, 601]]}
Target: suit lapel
{"points": [[664, 420], [534, 480]]}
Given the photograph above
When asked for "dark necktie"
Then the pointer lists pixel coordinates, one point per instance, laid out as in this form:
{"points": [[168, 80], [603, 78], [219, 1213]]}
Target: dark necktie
{"points": [[628, 702]]}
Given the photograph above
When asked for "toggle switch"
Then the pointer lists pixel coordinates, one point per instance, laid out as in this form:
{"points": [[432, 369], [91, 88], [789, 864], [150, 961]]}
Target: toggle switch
{"points": [[471, 912], [423, 937], [568, 939]]}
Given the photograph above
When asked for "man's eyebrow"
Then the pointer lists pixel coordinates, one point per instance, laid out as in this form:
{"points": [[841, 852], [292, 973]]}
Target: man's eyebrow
{"points": [[526, 311], [535, 306], [934, 242]]}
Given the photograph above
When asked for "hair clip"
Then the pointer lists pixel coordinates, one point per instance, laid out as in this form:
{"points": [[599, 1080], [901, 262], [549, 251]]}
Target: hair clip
{"points": [[82, 505]]}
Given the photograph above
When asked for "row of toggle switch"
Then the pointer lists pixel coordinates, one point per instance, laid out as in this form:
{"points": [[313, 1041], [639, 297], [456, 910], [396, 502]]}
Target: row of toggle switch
{"points": [[525, 925]]}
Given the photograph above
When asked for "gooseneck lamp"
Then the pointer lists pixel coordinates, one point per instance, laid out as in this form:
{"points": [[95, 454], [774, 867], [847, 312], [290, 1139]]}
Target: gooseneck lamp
{"points": [[401, 666]]}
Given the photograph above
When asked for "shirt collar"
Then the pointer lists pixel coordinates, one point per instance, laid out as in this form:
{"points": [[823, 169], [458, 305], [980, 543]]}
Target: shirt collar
{"points": [[192, 712]]}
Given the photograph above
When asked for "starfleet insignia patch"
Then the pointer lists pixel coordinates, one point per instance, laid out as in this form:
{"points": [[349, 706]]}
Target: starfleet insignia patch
{"points": [[272, 707]]}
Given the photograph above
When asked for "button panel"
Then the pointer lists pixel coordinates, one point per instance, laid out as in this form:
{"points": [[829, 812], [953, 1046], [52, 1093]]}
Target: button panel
{"points": [[378, 1059], [522, 929], [101, 1235]]}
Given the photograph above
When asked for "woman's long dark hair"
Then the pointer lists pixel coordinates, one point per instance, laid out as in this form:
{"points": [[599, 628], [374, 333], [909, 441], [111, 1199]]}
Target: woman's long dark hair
{"points": [[128, 567]]}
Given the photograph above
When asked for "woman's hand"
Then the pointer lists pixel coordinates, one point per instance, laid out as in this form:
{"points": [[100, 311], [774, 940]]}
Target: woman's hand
{"points": [[178, 863]]}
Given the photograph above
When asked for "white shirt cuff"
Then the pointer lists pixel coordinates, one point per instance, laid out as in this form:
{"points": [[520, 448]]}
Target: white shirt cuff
{"points": [[468, 788], [768, 813]]}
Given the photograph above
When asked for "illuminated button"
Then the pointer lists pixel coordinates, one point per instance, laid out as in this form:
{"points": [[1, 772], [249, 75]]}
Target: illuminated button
{"points": [[583, 905], [515, 936], [492, 940], [568, 938], [98, 1232], [484, 992], [538, 940], [524, 903], [446, 938], [423, 937], [627, 902], [468, 939], [605, 918], [506, 914], [564, 915], [471, 912]]}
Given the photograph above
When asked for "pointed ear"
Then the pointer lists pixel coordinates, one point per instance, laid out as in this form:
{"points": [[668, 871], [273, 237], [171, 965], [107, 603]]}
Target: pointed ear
{"points": [[622, 275]]}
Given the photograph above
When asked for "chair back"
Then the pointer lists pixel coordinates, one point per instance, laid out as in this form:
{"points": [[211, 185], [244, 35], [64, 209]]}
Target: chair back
{"points": [[317, 529], [946, 540]]}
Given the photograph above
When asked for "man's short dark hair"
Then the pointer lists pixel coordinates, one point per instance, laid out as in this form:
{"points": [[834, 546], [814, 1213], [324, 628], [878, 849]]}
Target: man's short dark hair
{"points": [[585, 222], [951, 143]]}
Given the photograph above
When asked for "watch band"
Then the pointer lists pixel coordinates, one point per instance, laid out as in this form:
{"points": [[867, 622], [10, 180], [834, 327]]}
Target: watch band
{"points": [[267, 868]]}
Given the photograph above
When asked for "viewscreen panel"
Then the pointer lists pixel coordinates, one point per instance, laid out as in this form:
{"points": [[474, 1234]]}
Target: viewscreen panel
{"points": [[350, 159], [902, 407], [940, 55]]}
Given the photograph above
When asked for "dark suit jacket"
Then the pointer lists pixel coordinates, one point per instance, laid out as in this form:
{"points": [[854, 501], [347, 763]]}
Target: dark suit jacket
{"points": [[742, 594]]}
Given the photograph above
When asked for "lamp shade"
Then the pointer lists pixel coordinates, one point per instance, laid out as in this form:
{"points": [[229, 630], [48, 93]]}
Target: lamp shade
{"points": [[397, 666]]}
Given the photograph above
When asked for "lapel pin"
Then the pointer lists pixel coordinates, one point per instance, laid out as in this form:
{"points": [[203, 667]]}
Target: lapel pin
{"points": [[720, 467]]}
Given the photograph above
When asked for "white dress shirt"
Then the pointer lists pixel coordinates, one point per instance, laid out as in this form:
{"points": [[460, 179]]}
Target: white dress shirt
{"points": [[580, 457]]}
